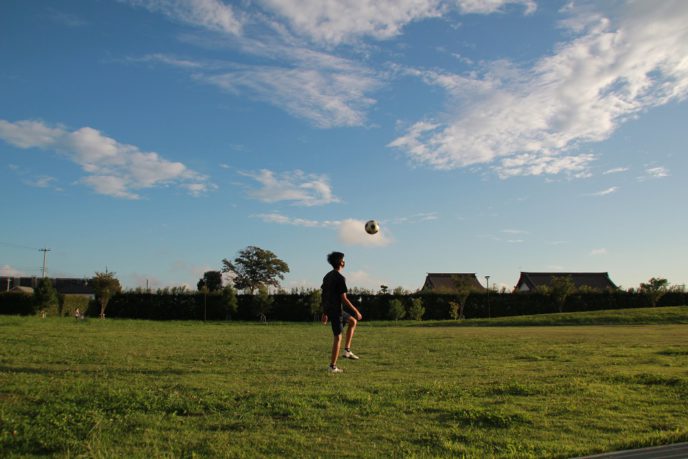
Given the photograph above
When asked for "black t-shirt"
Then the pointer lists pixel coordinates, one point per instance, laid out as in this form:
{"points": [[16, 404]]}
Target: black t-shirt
{"points": [[334, 284]]}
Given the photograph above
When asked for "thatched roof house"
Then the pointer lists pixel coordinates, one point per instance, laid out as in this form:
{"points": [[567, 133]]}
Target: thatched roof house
{"points": [[450, 282], [530, 281]]}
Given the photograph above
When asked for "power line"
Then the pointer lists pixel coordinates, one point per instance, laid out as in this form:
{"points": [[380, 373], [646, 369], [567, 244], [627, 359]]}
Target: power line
{"points": [[17, 246]]}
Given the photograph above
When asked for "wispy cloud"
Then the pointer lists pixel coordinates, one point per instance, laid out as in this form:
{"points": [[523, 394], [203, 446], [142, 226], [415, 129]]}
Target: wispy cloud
{"points": [[415, 218], [296, 187], [112, 168], [67, 19], [610, 190], [598, 252], [655, 172], [524, 118], [326, 97], [210, 14], [334, 22], [616, 170], [42, 181], [294, 39], [350, 231], [282, 219]]}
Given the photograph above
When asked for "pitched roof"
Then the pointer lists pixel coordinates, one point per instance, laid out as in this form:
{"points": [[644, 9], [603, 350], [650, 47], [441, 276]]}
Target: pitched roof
{"points": [[63, 285], [449, 281], [599, 281]]}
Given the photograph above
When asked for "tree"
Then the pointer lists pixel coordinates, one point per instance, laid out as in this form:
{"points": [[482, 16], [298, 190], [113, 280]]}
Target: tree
{"points": [[254, 268], [560, 289], [105, 285], [45, 295], [229, 299], [396, 309], [654, 289], [314, 302], [262, 303], [463, 290], [212, 280], [416, 310]]}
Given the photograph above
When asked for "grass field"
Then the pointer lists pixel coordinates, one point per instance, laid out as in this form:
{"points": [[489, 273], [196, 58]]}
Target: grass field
{"points": [[119, 388]]}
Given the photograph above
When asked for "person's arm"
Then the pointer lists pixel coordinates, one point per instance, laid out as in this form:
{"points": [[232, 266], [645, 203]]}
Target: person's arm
{"points": [[350, 305]]}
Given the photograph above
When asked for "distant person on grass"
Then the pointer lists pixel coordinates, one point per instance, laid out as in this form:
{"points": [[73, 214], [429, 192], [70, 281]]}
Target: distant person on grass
{"points": [[333, 299]]}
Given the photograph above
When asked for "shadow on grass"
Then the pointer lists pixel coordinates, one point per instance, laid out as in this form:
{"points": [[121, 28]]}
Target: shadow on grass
{"points": [[124, 371], [644, 316]]}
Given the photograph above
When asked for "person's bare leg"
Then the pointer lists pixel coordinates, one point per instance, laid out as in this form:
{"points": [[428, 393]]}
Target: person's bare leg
{"points": [[350, 332], [336, 344]]}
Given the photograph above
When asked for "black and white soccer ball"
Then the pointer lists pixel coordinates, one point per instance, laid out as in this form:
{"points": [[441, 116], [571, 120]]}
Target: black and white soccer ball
{"points": [[372, 227]]}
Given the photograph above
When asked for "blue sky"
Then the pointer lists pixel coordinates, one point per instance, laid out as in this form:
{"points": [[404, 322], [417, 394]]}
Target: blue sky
{"points": [[157, 137]]}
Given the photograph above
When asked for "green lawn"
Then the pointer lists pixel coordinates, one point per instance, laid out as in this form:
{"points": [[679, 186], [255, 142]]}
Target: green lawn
{"points": [[119, 388]]}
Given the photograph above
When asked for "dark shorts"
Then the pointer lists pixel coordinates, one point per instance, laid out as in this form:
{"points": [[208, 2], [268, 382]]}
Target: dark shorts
{"points": [[338, 320]]}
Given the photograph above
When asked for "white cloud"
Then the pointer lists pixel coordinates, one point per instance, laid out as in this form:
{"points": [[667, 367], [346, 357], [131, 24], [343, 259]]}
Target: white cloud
{"points": [[492, 6], [514, 231], [525, 117], [656, 172], [160, 58], [113, 168], [598, 252], [43, 181], [363, 279], [610, 190], [327, 90], [326, 97], [352, 232], [539, 164], [210, 14], [616, 170], [9, 271], [297, 187], [282, 219], [335, 21], [416, 218]]}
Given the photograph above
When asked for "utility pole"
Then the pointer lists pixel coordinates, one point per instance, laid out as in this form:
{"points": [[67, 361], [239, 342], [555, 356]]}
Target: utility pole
{"points": [[45, 251], [489, 314]]}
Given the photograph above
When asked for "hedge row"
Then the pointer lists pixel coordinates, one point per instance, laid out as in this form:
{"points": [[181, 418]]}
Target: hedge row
{"points": [[299, 308]]}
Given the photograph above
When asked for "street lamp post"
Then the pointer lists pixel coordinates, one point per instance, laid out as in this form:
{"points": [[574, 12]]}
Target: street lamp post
{"points": [[489, 313]]}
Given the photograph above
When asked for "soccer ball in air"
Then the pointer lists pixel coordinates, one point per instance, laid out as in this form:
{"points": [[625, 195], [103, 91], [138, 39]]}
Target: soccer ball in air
{"points": [[372, 227]]}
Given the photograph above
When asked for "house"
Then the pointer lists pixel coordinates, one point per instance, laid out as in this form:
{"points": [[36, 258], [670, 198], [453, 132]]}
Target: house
{"points": [[63, 285], [531, 281], [449, 282]]}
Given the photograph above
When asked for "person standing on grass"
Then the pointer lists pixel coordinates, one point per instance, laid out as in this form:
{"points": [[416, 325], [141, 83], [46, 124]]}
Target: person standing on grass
{"points": [[333, 299]]}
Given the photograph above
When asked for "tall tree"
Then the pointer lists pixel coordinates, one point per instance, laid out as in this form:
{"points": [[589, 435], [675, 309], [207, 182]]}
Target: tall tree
{"points": [[45, 295], [105, 285], [229, 300], [261, 303], [560, 289], [463, 289], [212, 280], [254, 268], [654, 289]]}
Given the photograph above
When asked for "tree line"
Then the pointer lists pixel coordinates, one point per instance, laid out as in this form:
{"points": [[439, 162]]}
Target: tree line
{"points": [[254, 270]]}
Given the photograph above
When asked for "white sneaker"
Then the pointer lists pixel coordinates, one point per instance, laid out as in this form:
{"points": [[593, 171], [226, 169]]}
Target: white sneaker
{"points": [[350, 355], [332, 369]]}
